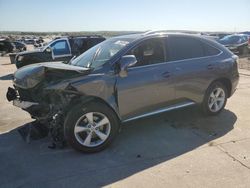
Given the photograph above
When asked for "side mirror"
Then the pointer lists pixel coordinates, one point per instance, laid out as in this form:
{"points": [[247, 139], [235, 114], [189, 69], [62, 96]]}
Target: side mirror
{"points": [[125, 62], [48, 50]]}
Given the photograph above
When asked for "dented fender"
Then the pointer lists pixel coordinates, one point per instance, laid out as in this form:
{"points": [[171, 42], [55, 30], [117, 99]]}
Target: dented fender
{"points": [[90, 87]]}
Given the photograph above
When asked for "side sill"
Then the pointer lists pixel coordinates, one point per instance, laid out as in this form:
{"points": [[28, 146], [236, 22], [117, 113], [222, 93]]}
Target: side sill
{"points": [[169, 108]]}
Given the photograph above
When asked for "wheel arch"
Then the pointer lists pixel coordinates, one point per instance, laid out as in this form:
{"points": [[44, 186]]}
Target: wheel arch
{"points": [[87, 99], [226, 82]]}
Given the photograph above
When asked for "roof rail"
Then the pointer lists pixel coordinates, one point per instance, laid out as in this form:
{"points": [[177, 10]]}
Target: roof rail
{"points": [[154, 31], [74, 36], [170, 31]]}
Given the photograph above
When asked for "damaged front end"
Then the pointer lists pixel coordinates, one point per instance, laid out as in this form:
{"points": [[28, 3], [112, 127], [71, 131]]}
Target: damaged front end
{"points": [[47, 106]]}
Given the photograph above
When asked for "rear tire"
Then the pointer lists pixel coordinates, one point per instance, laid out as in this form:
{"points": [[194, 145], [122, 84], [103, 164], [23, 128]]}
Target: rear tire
{"points": [[90, 127], [215, 99]]}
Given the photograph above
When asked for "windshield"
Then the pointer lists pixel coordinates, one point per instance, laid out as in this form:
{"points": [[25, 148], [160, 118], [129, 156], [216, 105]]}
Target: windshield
{"points": [[47, 45], [230, 39], [101, 53]]}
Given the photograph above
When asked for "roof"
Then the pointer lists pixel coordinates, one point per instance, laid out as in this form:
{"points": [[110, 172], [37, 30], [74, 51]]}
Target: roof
{"points": [[160, 32]]}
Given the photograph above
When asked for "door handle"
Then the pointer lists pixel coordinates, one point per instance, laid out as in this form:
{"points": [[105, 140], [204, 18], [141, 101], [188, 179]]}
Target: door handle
{"points": [[166, 74], [210, 67]]}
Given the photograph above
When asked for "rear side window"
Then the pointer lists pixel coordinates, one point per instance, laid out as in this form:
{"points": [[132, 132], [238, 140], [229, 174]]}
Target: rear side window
{"points": [[79, 46], [184, 48], [95, 41], [209, 50]]}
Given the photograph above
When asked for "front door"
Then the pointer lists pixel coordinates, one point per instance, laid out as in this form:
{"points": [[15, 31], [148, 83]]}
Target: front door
{"points": [[149, 84], [61, 50]]}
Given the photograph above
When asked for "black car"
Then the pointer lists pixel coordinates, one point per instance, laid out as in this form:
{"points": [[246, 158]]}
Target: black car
{"points": [[61, 49], [237, 43], [6, 46], [20, 46], [29, 41], [122, 79]]}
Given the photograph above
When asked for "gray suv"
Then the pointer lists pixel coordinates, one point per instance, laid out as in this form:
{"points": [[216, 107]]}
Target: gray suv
{"points": [[121, 79]]}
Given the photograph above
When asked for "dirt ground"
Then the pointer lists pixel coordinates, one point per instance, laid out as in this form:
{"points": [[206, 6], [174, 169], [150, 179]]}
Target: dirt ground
{"points": [[244, 63], [181, 148]]}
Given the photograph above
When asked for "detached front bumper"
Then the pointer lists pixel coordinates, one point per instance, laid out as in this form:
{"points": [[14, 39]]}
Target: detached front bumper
{"points": [[35, 109], [12, 95], [23, 104], [45, 122]]}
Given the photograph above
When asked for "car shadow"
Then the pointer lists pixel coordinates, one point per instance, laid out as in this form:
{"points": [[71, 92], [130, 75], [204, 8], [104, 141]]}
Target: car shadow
{"points": [[142, 144], [6, 77]]}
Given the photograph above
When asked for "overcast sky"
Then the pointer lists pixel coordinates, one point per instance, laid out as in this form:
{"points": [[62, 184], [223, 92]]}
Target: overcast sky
{"points": [[117, 15]]}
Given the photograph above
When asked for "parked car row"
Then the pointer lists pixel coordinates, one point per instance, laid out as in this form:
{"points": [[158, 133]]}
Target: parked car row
{"points": [[9, 47], [237, 43], [84, 102], [34, 41], [60, 49]]}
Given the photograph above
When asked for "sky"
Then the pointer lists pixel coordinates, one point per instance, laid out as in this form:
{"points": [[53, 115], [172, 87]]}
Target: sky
{"points": [[124, 15]]}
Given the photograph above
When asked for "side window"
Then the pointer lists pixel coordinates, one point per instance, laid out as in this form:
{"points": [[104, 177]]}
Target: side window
{"points": [[60, 47], [209, 50], [79, 46], [184, 48], [149, 52], [94, 41]]}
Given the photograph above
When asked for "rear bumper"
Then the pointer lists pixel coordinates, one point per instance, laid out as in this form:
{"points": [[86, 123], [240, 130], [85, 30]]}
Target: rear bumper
{"points": [[235, 82]]}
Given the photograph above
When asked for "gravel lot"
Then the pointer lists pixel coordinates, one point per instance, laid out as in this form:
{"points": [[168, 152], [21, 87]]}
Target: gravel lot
{"points": [[244, 63], [175, 149]]}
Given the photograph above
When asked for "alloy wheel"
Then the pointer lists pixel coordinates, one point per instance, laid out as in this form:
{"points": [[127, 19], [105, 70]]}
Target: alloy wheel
{"points": [[92, 129], [216, 99]]}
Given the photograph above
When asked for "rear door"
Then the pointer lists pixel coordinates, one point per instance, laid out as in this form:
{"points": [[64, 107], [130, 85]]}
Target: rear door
{"points": [[195, 65], [149, 84]]}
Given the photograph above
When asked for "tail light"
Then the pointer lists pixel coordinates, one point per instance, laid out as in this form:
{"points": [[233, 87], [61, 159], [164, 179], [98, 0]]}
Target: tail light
{"points": [[249, 40]]}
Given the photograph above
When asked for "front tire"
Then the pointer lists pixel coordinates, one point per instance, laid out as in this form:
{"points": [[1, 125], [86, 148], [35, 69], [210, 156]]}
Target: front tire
{"points": [[90, 127], [215, 99]]}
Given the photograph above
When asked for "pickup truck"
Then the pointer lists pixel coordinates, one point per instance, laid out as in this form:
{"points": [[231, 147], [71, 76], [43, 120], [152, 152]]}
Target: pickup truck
{"points": [[6, 46], [60, 49]]}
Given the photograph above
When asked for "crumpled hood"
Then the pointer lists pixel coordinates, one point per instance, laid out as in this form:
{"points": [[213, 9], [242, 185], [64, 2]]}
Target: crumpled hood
{"points": [[31, 75], [60, 65]]}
